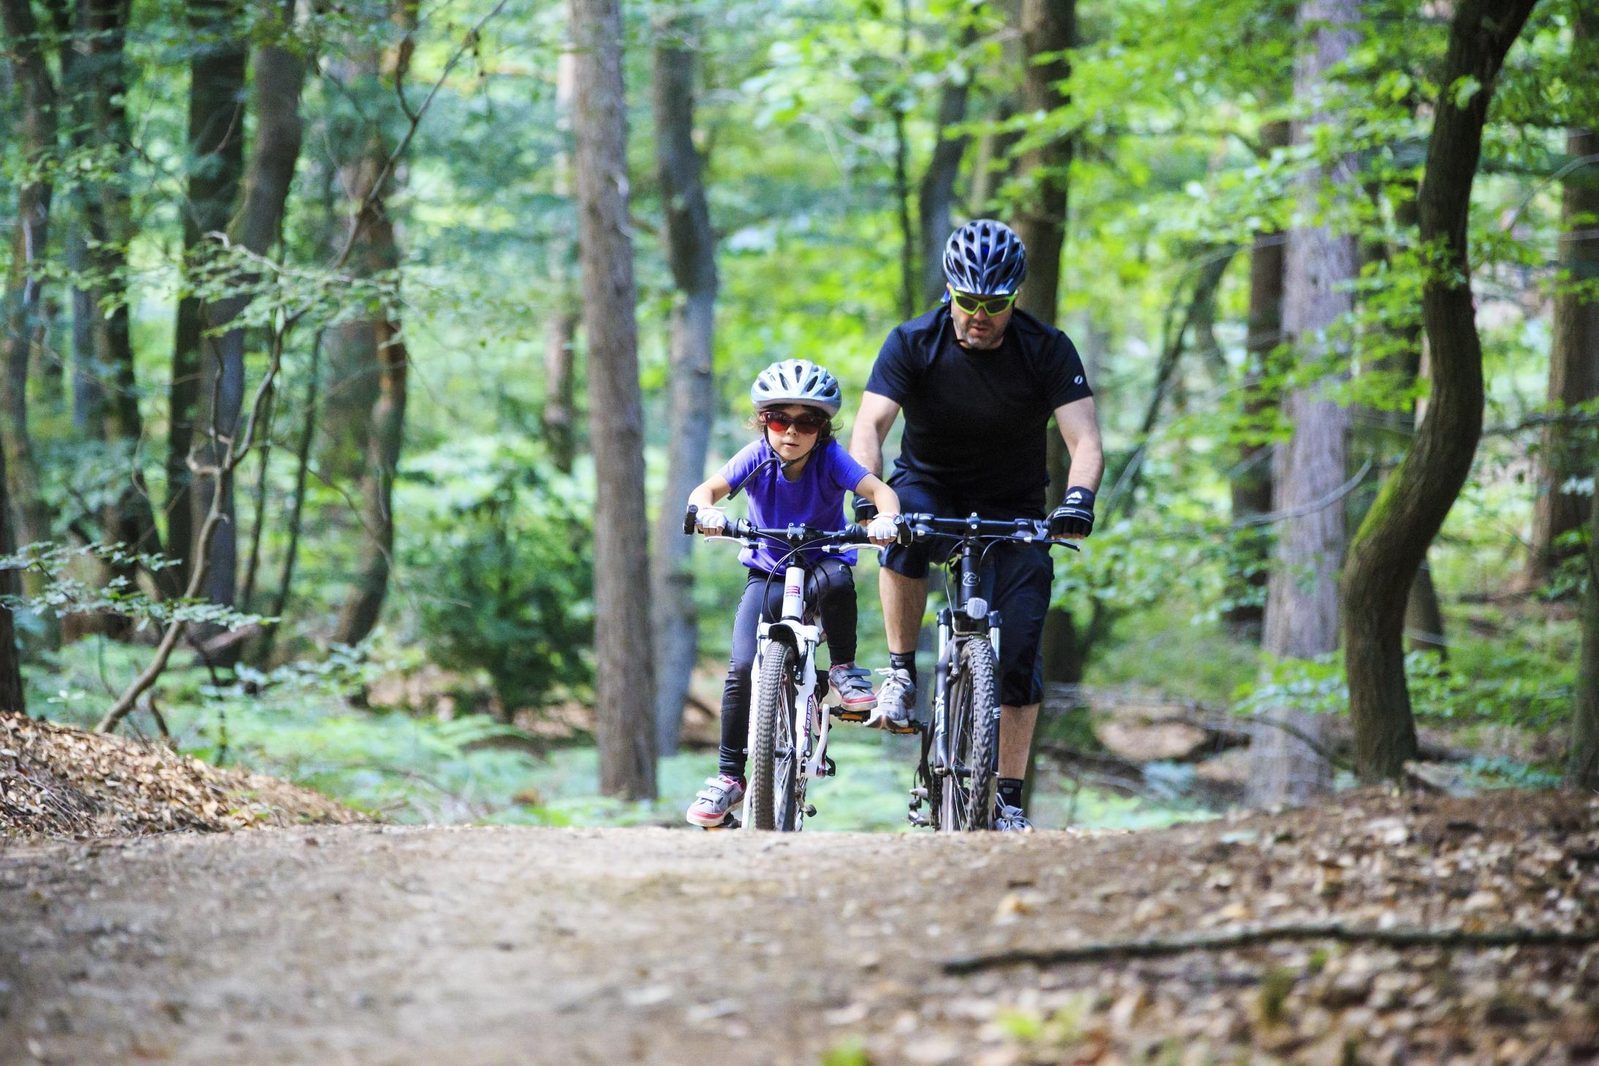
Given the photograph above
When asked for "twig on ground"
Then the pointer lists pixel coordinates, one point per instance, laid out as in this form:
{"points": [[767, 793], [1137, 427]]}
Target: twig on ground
{"points": [[1251, 936]]}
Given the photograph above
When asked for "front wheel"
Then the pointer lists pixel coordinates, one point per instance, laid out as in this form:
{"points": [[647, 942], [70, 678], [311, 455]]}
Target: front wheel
{"points": [[773, 765], [966, 800]]}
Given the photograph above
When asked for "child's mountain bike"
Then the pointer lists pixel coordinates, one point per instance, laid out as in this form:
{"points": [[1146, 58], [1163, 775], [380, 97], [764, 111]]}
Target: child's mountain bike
{"points": [[788, 723], [958, 770]]}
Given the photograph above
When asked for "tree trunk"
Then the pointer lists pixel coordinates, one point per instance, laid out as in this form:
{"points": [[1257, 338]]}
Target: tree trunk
{"points": [[215, 161], [21, 317], [279, 74], [1301, 619], [1049, 27], [558, 416], [624, 686], [1574, 357], [95, 68], [1392, 541], [11, 694], [373, 251], [936, 196], [1250, 485], [1582, 761], [691, 252]]}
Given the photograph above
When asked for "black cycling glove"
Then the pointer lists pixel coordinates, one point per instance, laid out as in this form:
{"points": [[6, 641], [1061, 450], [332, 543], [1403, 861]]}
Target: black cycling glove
{"points": [[865, 510], [1075, 515]]}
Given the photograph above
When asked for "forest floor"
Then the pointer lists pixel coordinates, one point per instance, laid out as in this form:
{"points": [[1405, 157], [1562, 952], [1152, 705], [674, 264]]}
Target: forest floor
{"points": [[360, 943]]}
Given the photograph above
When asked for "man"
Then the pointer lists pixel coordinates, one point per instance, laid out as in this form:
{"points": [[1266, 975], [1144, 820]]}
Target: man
{"points": [[978, 381]]}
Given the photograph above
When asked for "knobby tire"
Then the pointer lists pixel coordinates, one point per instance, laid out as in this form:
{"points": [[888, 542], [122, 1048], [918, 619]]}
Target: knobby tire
{"points": [[772, 766], [967, 799]]}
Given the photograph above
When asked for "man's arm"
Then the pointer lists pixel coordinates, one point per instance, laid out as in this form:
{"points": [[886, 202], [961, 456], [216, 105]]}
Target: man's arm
{"points": [[872, 422], [1079, 428]]}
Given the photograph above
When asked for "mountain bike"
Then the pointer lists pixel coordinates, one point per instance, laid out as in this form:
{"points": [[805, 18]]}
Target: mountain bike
{"points": [[788, 722], [958, 771]]}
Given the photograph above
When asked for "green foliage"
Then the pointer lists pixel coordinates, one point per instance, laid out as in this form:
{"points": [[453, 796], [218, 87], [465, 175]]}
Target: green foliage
{"points": [[70, 585], [496, 552]]}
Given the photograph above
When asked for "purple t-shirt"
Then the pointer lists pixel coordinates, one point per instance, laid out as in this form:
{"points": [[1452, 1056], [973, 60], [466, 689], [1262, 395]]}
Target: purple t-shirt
{"points": [[815, 498]]}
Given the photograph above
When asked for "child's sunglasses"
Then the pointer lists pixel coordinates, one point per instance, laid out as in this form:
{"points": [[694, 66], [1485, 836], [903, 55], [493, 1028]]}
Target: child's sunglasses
{"points": [[993, 305], [804, 424]]}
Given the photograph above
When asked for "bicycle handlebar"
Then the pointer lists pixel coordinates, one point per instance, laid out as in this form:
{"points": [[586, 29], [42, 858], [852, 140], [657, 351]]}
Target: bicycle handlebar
{"points": [[921, 526], [797, 536]]}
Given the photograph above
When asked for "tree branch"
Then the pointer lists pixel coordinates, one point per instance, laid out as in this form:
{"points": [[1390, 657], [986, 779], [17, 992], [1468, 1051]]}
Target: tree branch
{"points": [[1252, 936]]}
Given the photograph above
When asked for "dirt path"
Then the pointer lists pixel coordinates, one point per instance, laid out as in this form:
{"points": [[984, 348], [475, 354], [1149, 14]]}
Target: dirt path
{"points": [[360, 944]]}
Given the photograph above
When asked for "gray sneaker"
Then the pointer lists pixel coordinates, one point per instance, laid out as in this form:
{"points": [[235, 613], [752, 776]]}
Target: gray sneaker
{"points": [[710, 807], [896, 702], [1008, 819]]}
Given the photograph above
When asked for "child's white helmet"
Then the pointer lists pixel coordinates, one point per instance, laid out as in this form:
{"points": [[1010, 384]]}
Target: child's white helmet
{"points": [[796, 381]]}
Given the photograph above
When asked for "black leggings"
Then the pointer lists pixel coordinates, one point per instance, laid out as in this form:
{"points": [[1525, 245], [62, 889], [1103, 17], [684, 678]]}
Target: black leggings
{"points": [[834, 585]]}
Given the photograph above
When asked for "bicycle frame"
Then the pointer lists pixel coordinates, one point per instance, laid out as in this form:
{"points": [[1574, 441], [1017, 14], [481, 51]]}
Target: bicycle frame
{"points": [[795, 631], [966, 617]]}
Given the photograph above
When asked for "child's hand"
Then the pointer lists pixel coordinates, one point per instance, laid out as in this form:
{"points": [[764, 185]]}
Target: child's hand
{"points": [[883, 529], [711, 520]]}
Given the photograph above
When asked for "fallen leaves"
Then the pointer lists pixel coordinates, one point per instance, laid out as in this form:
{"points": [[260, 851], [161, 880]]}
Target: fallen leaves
{"points": [[56, 781]]}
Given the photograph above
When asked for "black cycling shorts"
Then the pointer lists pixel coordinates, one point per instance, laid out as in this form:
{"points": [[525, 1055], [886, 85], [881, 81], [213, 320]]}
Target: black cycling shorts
{"points": [[1015, 579]]}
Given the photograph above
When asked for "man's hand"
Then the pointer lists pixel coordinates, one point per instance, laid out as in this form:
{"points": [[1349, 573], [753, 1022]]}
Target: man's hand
{"points": [[711, 520], [865, 510], [883, 529], [1074, 518]]}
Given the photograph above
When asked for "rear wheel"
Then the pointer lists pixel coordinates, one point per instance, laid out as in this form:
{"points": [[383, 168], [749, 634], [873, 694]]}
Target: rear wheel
{"points": [[966, 799], [773, 770]]}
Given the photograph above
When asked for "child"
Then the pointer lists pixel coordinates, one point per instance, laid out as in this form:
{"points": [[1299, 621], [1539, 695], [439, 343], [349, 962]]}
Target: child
{"points": [[796, 473]]}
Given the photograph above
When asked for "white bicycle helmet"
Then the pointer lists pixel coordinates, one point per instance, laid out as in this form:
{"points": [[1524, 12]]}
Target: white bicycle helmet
{"points": [[796, 381]]}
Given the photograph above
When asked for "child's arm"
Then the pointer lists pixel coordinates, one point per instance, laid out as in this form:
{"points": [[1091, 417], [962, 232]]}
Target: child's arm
{"points": [[710, 519], [882, 529]]}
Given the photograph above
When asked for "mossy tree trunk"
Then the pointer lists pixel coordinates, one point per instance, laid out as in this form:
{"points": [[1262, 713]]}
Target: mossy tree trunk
{"points": [[1392, 541]]}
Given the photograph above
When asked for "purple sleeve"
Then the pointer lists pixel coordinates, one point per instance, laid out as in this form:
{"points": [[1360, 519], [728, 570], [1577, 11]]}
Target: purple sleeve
{"points": [[844, 469], [736, 469]]}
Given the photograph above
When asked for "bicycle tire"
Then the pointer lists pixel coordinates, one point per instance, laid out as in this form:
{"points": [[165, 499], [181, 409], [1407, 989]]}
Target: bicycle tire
{"points": [[773, 743], [967, 790]]}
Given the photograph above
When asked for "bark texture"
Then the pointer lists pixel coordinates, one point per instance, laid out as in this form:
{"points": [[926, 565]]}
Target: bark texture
{"points": [[1574, 357], [11, 696], [1392, 541], [21, 318], [205, 393], [624, 685], [1049, 27], [1582, 761], [1249, 482], [558, 416], [367, 180], [691, 393], [95, 76], [935, 199], [1301, 620]]}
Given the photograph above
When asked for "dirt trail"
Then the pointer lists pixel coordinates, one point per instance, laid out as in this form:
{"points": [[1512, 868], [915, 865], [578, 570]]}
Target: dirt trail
{"points": [[365, 944]]}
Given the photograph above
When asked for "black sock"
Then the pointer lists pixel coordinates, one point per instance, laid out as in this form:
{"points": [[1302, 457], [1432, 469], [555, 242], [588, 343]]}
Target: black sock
{"points": [[1010, 791], [903, 660]]}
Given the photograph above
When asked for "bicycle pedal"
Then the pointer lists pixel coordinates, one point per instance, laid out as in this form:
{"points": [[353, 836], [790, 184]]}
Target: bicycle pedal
{"points": [[730, 822], [919, 820], [848, 715]]}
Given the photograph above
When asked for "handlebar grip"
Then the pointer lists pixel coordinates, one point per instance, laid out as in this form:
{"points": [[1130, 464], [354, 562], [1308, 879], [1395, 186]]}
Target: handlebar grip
{"points": [[689, 519]]}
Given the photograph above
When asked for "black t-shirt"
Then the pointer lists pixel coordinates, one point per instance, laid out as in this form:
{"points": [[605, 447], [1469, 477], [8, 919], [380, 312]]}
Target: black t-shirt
{"points": [[976, 421]]}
